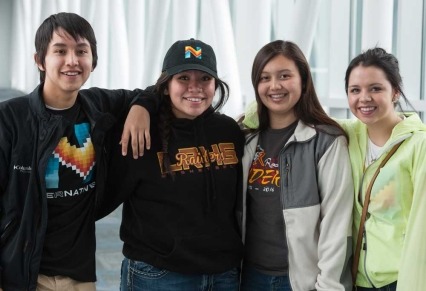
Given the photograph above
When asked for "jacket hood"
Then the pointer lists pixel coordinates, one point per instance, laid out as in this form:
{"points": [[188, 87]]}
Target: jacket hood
{"points": [[409, 125], [412, 123], [251, 118]]}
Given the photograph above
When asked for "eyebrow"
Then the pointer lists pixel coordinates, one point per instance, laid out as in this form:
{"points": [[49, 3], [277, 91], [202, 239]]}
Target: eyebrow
{"points": [[280, 71], [60, 44], [373, 84]]}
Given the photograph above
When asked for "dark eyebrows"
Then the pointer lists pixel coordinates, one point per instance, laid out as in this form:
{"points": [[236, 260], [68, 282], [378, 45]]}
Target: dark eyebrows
{"points": [[58, 44], [79, 45], [279, 72], [376, 84], [369, 85]]}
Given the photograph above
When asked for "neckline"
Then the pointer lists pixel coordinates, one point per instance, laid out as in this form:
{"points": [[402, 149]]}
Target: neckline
{"points": [[373, 152]]}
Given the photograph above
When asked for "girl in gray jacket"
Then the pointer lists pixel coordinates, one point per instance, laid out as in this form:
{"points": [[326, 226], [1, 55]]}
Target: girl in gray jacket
{"points": [[298, 196]]}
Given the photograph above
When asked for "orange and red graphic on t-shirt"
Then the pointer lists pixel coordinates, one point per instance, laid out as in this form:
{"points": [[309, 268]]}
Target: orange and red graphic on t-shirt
{"points": [[264, 170], [222, 154]]}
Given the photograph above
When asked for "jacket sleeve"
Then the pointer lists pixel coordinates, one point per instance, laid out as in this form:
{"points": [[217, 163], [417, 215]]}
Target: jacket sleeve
{"points": [[118, 102], [335, 238], [121, 180], [413, 258], [148, 99], [240, 182], [5, 147]]}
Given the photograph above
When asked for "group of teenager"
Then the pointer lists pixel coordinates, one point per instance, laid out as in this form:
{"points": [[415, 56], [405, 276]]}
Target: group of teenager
{"points": [[284, 198]]}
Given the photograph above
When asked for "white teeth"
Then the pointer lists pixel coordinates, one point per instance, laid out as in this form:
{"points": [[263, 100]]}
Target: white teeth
{"points": [[367, 109], [71, 73], [194, 99], [276, 96]]}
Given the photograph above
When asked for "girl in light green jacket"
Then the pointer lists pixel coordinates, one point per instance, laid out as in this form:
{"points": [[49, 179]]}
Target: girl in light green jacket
{"points": [[393, 247]]}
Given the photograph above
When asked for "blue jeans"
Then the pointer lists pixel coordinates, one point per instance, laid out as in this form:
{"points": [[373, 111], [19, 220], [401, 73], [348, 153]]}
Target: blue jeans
{"points": [[253, 280], [137, 275], [390, 287]]}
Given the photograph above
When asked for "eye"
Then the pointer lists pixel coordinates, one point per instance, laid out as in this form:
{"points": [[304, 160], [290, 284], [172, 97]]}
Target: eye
{"points": [[354, 90], [59, 51], [376, 89], [206, 78], [263, 78], [82, 52], [183, 77], [284, 76]]}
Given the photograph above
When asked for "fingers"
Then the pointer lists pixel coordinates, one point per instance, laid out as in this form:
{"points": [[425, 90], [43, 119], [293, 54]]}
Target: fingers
{"points": [[136, 132], [138, 144], [147, 140], [124, 142]]}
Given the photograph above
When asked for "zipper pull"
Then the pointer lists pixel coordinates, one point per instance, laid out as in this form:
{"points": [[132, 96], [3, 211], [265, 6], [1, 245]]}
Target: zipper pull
{"points": [[364, 245]]}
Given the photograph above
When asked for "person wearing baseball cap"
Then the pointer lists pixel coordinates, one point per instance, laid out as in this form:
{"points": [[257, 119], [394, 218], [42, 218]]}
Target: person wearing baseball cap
{"points": [[180, 229]]}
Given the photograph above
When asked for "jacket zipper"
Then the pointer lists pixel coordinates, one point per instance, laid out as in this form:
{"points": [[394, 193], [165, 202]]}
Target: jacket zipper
{"points": [[286, 172], [364, 247], [285, 184], [38, 217], [7, 230]]}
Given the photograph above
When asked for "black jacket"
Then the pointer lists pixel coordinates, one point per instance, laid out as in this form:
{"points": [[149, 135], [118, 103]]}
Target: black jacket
{"points": [[28, 135], [185, 223]]}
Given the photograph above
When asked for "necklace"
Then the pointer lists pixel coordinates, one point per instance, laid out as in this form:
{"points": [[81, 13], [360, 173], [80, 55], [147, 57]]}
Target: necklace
{"points": [[373, 152]]}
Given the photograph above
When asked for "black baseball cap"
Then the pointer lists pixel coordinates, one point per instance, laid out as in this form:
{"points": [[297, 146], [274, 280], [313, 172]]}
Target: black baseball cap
{"points": [[190, 54]]}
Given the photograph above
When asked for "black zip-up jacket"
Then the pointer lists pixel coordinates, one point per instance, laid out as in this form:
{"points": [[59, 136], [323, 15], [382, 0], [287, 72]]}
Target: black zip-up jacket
{"points": [[28, 136]]}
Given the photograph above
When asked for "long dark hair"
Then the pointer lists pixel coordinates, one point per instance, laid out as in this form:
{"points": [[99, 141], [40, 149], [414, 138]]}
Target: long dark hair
{"points": [[308, 109], [388, 63], [166, 115]]}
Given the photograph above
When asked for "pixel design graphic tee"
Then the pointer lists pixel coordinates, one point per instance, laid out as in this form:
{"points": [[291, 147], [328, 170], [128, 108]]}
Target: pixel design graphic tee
{"points": [[69, 245]]}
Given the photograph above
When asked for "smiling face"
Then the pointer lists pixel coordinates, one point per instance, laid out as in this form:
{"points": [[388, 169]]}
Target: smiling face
{"points": [[371, 96], [191, 93], [279, 89], [68, 65]]}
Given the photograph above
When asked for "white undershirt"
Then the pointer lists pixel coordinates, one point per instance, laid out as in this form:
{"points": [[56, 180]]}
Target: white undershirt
{"points": [[373, 152]]}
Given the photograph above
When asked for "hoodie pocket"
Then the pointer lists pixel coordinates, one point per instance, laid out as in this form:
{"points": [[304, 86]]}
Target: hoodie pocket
{"points": [[215, 252]]}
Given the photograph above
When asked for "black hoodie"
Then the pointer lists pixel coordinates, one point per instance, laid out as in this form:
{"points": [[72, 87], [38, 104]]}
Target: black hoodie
{"points": [[186, 223]]}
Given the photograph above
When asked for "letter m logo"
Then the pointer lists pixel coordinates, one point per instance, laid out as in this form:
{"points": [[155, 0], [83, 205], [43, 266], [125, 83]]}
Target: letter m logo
{"points": [[189, 50]]}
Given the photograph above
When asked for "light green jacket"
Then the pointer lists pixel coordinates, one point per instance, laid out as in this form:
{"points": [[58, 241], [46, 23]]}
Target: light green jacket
{"points": [[396, 220]]}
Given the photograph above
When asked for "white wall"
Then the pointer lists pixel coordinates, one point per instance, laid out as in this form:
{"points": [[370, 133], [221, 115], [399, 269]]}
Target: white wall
{"points": [[5, 40]]}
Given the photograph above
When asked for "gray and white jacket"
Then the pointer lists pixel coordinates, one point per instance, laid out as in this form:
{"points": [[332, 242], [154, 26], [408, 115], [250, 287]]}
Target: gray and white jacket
{"points": [[317, 199]]}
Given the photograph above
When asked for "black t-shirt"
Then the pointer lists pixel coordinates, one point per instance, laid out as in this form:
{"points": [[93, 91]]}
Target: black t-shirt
{"points": [[69, 245], [266, 247]]}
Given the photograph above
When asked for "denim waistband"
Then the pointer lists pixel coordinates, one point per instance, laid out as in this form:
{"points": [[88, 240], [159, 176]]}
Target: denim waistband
{"points": [[390, 287]]}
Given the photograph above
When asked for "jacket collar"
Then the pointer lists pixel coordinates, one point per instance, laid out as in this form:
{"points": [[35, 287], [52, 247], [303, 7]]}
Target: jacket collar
{"points": [[37, 102], [303, 132]]}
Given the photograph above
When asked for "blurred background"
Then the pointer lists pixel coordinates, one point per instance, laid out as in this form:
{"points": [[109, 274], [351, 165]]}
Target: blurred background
{"points": [[134, 35]]}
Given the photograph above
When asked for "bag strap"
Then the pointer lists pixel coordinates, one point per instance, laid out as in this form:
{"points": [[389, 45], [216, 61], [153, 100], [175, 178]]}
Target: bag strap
{"points": [[364, 212]]}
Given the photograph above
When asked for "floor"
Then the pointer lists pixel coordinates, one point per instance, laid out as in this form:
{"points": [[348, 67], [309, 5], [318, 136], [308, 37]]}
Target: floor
{"points": [[108, 253]]}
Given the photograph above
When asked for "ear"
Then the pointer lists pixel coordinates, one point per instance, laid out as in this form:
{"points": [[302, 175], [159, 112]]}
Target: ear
{"points": [[38, 63], [395, 97], [166, 91]]}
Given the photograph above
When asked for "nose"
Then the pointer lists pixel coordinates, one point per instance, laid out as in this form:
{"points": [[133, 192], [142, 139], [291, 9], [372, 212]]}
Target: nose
{"points": [[365, 97], [72, 59], [275, 84], [194, 86]]}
